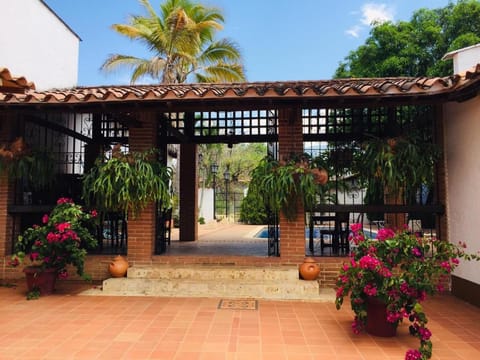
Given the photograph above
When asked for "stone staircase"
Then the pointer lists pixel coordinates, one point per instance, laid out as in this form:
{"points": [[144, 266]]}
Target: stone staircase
{"points": [[281, 283]]}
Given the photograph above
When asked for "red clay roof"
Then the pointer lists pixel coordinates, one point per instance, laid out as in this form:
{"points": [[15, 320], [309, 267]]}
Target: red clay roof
{"points": [[8, 83], [344, 88]]}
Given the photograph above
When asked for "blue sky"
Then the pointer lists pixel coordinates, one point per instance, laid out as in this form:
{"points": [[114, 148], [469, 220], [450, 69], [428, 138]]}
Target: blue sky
{"points": [[280, 39]]}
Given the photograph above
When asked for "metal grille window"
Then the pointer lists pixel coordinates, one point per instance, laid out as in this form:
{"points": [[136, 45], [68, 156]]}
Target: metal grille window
{"points": [[220, 126], [65, 135]]}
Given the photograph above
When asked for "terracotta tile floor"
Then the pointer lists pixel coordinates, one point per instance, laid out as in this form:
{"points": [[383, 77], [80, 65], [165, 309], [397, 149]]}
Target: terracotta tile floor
{"points": [[71, 326]]}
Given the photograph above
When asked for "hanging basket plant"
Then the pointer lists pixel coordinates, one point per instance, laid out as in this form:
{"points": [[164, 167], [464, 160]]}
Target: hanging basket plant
{"points": [[282, 184], [127, 183], [36, 167], [400, 164]]}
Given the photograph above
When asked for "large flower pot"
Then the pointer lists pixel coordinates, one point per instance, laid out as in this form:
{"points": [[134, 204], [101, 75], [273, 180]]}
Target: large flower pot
{"points": [[39, 279], [309, 270], [118, 267], [377, 323]]}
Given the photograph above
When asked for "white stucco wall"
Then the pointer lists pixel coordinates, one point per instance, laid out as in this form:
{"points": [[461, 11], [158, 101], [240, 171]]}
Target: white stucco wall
{"points": [[205, 204], [36, 44], [462, 133], [464, 60]]}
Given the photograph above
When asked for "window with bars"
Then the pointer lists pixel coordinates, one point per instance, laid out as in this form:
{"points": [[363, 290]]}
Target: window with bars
{"points": [[247, 125]]}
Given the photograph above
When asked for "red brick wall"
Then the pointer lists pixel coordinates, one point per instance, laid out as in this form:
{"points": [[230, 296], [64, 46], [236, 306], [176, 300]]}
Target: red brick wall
{"points": [[290, 140], [141, 229], [7, 121]]}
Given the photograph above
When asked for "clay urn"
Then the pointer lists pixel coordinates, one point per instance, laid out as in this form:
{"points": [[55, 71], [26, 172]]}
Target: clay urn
{"points": [[118, 267], [309, 270]]}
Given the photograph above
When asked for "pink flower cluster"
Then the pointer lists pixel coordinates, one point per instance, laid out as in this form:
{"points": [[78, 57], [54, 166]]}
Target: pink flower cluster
{"points": [[413, 355], [384, 234], [369, 262], [356, 236], [370, 290], [393, 317], [64, 200], [357, 325]]}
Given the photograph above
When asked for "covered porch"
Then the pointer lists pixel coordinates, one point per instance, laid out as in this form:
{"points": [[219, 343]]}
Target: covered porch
{"points": [[290, 116]]}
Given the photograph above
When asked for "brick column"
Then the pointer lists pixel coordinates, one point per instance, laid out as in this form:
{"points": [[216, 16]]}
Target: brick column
{"points": [[290, 140], [7, 121], [141, 229]]}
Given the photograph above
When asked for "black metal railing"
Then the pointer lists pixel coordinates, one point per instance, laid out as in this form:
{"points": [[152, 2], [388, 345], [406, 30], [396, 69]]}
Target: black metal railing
{"points": [[328, 226], [112, 234]]}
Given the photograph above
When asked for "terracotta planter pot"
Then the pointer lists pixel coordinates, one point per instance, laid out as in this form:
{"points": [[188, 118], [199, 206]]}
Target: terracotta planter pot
{"points": [[309, 270], [377, 323], [320, 175], [118, 267], [41, 280]]}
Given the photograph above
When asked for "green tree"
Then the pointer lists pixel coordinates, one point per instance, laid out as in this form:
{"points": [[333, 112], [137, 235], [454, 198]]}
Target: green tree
{"points": [[415, 47], [182, 40]]}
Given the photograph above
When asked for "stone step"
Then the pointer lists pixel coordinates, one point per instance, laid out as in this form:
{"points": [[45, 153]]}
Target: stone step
{"points": [[292, 290], [280, 282], [212, 272]]}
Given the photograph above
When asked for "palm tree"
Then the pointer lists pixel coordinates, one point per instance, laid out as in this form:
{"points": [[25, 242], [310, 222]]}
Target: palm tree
{"points": [[182, 40]]}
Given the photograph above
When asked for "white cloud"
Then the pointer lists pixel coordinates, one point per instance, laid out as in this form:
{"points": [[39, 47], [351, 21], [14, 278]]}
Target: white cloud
{"points": [[354, 31], [370, 14], [376, 13]]}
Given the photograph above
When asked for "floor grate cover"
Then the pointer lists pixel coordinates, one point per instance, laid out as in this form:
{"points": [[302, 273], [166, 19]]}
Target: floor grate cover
{"points": [[238, 304]]}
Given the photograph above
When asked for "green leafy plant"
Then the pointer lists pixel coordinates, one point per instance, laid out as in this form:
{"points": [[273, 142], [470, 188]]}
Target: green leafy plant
{"points": [[253, 211], [33, 294], [400, 269], [281, 184], [401, 163], [127, 182], [35, 167], [61, 240]]}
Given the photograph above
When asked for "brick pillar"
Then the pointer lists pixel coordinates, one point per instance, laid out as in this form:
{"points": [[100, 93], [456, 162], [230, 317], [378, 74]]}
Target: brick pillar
{"points": [[141, 229], [290, 140], [188, 193], [7, 122]]}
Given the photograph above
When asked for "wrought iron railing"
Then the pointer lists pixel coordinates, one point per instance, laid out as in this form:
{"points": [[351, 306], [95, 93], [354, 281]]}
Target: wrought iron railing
{"points": [[328, 227]]}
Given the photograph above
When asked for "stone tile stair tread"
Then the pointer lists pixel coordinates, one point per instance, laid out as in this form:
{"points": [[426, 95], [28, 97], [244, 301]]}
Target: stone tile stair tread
{"points": [[266, 289], [214, 272]]}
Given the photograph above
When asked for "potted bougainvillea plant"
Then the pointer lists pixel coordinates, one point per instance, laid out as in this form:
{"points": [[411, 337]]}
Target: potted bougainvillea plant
{"points": [[395, 273], [61, 240]]}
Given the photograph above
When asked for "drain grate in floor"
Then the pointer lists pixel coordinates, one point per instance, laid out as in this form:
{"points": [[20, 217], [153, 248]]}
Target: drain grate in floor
{"points": [[238, 304]]}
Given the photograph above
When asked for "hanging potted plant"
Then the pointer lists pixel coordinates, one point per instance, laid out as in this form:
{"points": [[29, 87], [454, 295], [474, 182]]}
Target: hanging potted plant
{"points": [[36, 167], [389, 277], [281, 184], [61, 240], [126, 183], [399, 164]]}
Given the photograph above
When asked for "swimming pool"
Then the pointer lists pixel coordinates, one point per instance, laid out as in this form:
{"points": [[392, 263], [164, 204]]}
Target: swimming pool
{"points": [[263, 233]]}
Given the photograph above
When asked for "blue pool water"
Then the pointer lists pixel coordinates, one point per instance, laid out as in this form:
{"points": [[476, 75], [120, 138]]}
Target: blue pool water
{"points": [[263, 233]]}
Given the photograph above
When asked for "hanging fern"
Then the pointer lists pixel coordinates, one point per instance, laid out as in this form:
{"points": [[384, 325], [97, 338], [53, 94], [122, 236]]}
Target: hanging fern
{"points": [[127, 183], [282, 185], [404, 162], [36, 167]]}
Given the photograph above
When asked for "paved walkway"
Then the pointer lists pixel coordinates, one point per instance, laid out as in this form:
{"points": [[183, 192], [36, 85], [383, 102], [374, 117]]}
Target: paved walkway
{"points": [[221, 239], [228, 239], [71, 326]]}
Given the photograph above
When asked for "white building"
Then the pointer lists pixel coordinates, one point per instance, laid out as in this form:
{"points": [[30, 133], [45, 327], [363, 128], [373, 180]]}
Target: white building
{"points": [[37, 44], [462, 147], [464, 59]]}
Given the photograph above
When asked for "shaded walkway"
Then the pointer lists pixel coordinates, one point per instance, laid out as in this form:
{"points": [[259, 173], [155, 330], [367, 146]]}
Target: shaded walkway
{"points": [[69, 326], [221, 239]]}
